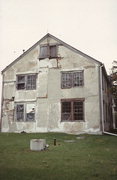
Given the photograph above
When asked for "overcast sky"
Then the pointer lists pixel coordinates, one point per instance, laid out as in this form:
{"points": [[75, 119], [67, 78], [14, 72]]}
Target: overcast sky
{"points": [[88, 25]]}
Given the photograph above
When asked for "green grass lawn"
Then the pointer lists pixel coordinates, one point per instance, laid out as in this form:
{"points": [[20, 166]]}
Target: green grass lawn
{"points": [[91, 158]]}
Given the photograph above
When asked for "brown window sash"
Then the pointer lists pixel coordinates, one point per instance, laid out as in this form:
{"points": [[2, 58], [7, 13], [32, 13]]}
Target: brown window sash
{"points": [[72, 110]]}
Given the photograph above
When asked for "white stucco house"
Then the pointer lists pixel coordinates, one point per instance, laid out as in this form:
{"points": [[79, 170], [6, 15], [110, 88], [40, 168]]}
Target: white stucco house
{"points": [[53, 87]]}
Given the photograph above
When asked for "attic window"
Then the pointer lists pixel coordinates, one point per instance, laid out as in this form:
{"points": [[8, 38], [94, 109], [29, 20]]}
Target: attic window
{"points": [[48, 51]]}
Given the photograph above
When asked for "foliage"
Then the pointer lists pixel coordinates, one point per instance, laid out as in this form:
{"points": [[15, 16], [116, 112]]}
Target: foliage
{"points": [[114, 82], [92, 157]]}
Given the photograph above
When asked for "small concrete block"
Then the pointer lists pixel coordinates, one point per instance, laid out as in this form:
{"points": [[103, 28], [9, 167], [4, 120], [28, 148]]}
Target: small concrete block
{"points": [[37, 144]]}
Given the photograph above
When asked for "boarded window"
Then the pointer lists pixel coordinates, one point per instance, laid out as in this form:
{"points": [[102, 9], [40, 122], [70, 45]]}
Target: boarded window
{"points": [[72, 79], [49, 51], [53, 51], [72, 110], [25, 112], [44, 52], [20, 112], [27, 82]]}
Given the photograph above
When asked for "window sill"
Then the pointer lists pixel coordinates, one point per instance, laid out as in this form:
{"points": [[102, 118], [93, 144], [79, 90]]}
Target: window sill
{"points": [[72, 121], [25, 121], [26, 89], [72, 87]]}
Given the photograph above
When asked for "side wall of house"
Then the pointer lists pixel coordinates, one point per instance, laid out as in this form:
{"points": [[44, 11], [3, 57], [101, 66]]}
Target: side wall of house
{"points": [[107, 103], [48, 94]]}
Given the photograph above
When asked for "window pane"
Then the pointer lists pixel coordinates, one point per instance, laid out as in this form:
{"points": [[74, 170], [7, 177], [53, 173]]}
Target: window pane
{"points": [[21, 86], [66, 111], [21, 79], [20, 82], [20, 112], [77, 79], [43, 52], [78, 110], [30, 112], [53, 51], [31, 82], [66, 80]]}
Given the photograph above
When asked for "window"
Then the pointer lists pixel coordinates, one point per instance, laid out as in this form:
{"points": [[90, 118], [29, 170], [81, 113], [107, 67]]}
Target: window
{"points": [[72, 110], [72, 79], [27, 82], [25, 112], [48, 51], [20, 112]]}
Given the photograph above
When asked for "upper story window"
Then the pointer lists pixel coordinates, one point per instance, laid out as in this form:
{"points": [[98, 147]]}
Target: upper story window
{"points": [[71, 79], [26, 82], [48, 51]]}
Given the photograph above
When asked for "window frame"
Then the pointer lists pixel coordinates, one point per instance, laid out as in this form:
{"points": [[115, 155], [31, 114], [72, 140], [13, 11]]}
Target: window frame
{"points": [[26, 81], [72, 100], [72, 74], [48, 55], [25, 111]]}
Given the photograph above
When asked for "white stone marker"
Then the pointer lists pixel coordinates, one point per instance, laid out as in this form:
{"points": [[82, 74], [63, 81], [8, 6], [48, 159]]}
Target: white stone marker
{"points": [[37, 144]]}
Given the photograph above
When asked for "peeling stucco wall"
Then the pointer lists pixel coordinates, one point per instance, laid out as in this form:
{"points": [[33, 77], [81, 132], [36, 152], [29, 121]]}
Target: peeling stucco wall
{"points": [[48, 94]]}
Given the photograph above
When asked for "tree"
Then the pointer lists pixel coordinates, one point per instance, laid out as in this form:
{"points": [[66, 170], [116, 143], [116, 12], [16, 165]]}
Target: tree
{"points": [[114, 90]]}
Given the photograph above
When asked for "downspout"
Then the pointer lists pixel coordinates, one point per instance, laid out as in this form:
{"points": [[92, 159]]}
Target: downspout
{"points": [[2, 102], [102, 108]]}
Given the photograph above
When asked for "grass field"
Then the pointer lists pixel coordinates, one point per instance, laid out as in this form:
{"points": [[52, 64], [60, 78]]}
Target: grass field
{"points": [[91, 158]]}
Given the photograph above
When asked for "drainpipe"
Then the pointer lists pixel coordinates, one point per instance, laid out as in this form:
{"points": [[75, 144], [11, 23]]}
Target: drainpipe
{"points": [[2, 102], [102, 108]]}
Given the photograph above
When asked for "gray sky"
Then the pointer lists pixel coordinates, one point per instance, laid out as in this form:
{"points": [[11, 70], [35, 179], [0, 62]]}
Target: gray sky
{"points": [[88, 25]]}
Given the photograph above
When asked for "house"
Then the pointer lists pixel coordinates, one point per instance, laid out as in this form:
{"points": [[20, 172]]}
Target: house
{"points": [[53, 87]]}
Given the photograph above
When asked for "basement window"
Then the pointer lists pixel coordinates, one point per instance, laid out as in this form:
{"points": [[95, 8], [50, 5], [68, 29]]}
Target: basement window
{"points": [[71, 79], [48, 51], [26, 82], [72, 110], [25, 112]]}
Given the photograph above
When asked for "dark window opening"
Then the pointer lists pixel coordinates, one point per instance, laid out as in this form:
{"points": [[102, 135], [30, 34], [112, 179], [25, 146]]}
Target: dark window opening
{"points": [[72, 110], [27, 82], [72, 79], [49, 51]]}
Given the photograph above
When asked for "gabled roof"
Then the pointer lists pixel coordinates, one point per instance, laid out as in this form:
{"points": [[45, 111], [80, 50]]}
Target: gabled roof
{"points": [[60, 41]]}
